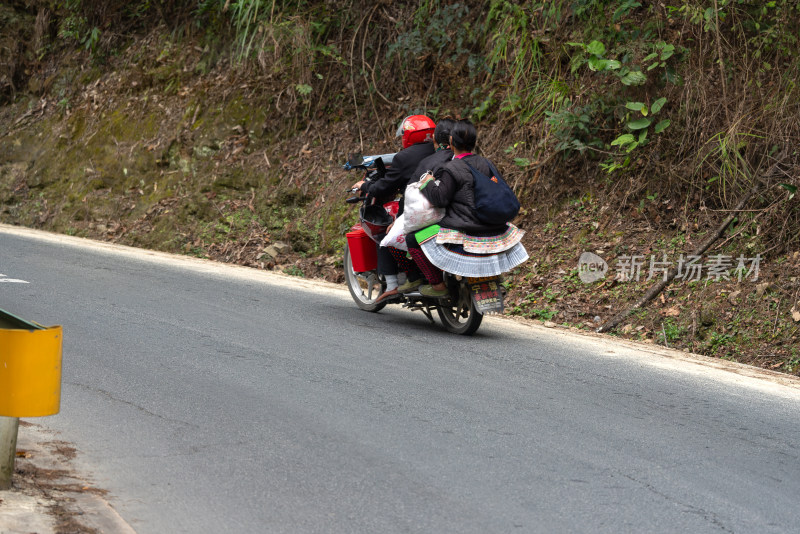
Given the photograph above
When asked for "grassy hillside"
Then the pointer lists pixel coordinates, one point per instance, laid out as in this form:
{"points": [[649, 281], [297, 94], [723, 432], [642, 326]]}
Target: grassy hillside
{"points": [[630, 129]]}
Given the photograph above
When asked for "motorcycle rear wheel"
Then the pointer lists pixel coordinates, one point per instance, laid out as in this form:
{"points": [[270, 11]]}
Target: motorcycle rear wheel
{"points": [[459, 316], [365, 287]]}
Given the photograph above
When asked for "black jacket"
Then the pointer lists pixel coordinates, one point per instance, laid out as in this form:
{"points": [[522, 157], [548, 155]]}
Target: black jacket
{"points": [[434, 163], [399, 173], [454, 190]]}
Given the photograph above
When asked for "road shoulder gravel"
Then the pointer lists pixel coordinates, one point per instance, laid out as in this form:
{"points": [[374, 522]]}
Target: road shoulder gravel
{"points": [[48, 494]]}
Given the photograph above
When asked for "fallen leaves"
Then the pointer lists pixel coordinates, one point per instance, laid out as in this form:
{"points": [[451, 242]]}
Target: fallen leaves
{"points": [[671, 312], [796, 312]]}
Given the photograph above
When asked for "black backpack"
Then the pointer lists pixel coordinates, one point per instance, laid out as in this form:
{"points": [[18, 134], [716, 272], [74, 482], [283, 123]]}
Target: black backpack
{"points": [[495, 201]]}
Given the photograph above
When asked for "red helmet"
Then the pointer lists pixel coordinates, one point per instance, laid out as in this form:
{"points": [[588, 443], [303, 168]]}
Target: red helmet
{"points": [[416, 129]]}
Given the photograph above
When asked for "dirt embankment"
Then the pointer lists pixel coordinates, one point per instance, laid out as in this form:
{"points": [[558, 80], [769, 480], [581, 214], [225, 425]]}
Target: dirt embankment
{"points": [[165, 145]]}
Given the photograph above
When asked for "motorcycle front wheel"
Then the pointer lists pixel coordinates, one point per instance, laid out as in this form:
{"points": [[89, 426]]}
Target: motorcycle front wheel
{"points": [[459, 315], [365, 287]]}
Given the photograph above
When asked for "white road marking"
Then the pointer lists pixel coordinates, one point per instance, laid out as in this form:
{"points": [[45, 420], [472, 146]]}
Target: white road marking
{"points": [[3, 278]]}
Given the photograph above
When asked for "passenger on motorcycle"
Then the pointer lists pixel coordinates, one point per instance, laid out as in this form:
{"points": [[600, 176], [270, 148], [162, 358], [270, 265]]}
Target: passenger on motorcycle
{"points": [[433, 164], [417, 133], [461, 243]]}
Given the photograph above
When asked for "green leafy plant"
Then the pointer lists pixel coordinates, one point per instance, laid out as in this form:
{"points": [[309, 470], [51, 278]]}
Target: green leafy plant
{"points": [[544, 314], [484, 105], [640, 123], [91, 39], [514, 147], [639, 119], [793, 362], [575, 127], [671, 332], [294, 270], [663, 52], [522, 162], [75, 26], [594, 57], [518, 161], [624, 8], [719, 340]]}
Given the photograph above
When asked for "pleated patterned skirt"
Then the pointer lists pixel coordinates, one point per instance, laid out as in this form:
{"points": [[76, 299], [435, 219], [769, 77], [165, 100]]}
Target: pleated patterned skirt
{"points": [[454, 252]]}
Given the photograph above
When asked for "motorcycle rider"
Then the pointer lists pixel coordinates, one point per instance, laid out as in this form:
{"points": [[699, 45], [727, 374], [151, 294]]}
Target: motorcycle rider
{"points": [[417, 135]]}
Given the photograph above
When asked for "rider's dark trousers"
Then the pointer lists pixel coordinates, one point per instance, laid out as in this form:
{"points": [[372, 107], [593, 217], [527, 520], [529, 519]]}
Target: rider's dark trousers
{"points": [[386, 263], [391, 260]]}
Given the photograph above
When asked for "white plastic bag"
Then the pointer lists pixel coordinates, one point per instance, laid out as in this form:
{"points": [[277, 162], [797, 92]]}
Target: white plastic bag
{"points": [[417, 210], [396, 237]]}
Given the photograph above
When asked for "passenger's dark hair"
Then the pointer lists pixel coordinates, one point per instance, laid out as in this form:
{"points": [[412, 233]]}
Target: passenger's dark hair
{"points": [[442, 132], [464, 135]]}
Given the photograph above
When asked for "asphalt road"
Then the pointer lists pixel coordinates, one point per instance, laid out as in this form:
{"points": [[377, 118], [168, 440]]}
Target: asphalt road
{"points": [[210, 398]]}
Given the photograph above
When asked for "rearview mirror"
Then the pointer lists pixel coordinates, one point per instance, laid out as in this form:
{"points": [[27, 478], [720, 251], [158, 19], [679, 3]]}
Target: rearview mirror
{"points": [[355, 159]]}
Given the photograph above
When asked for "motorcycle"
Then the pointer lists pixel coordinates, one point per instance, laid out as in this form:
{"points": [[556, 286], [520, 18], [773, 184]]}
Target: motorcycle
{"points": [[469, 299]]}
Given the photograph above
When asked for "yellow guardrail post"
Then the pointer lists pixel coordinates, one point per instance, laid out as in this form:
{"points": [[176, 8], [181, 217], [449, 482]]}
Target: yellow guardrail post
{"points": [[30, 381]]}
